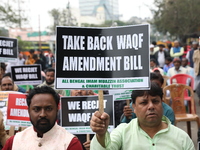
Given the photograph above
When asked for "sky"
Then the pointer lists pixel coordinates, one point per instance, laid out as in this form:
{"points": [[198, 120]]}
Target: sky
{"points": [[127, 8]]}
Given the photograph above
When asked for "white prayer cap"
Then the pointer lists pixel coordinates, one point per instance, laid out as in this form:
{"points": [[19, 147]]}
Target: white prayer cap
{"points": [[151, 46]]}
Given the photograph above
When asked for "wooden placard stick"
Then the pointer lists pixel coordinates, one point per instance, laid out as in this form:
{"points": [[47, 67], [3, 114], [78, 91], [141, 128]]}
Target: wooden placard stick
{"points": [[101, 109], [128, 104], [87, 137], [20, 129], [101, 102], [23, 128], [12, 130]]}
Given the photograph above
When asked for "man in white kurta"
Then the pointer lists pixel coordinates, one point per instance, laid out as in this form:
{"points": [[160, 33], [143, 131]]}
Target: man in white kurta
{"points": [[45, 134]]}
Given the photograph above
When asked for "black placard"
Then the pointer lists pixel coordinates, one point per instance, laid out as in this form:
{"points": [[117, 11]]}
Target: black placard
{"points": [[106, 55], [26, 74], [76, 112], [8, 48]]}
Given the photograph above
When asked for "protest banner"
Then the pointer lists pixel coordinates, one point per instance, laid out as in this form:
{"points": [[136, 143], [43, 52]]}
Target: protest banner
{"points": [[26, 75], [121, 94], [17, 112], [8, 49], [121, 98], [77, 111], [102, 58], [3, 105]]}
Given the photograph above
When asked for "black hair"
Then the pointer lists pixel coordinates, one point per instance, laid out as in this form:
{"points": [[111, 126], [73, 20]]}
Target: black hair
{"points": [[6, 75], [168, 59], [31, 51], [155, 90], [49, 70], [35, 56], [3, 66], [153, 60], [185, 59], [156, 76], [169, 45], [154, 43], [161, 45], [42, 90], [156, 71]]}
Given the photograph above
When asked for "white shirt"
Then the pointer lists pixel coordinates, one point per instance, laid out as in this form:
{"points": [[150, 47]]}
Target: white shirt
{"points": [[172, 71], [20, 61], [161, 59]]}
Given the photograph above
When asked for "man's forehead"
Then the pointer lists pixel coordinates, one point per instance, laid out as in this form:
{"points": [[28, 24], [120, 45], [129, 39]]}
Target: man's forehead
{"points": [[44, 98], [42, 106], [6, 79], [147, 96], [50, 72]]}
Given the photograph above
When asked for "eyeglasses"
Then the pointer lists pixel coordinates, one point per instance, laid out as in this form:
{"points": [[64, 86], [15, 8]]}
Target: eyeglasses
{"points": [[9, 84]]}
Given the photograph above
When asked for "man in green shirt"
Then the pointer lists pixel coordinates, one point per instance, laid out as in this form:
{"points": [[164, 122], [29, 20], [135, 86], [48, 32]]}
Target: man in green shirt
{"points": [[150, 130]]}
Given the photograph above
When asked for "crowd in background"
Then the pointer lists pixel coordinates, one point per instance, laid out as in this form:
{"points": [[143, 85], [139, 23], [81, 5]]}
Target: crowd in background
{"points": [[165, 60], [46, 61], [172, 60]]}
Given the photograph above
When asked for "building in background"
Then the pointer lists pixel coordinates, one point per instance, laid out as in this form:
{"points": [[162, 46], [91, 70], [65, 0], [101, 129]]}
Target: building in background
{"points": [[28, 39], [102, 9]]}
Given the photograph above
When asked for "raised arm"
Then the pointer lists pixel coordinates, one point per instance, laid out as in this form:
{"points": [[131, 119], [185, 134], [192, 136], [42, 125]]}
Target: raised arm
{"points": [[99, 124]]}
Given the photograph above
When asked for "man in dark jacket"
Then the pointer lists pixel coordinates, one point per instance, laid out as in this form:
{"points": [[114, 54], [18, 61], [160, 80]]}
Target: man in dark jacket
{"points": [[161, 55], [42, 58], [190, 53], [38, 61]]}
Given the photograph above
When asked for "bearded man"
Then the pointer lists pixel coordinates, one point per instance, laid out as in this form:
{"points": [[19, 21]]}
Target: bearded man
{"points": [[49, 81]]}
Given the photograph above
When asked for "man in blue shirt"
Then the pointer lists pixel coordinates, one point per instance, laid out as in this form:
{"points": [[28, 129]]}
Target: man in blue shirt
{"points": [[168, 64]]}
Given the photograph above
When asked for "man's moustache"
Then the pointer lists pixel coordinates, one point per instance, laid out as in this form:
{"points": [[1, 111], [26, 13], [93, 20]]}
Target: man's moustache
{"points": [[43, 120]]}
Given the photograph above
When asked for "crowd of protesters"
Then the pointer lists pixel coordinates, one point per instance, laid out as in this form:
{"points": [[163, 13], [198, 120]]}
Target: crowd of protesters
{"points": [[171, 60], [164, 60]]}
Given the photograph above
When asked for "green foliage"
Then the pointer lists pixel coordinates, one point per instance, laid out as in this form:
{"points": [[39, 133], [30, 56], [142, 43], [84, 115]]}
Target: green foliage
{"points": [[3, 32], [107, 23], [178, 17], [23, 45], [9, 16], [61, 18]]}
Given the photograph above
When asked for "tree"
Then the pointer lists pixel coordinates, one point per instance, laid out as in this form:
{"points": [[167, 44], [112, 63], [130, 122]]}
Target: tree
{"points": [[23, 45], [180, 18], [3, 32], [55, 13], [9, 16], [107, 23], [62, 18]]}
